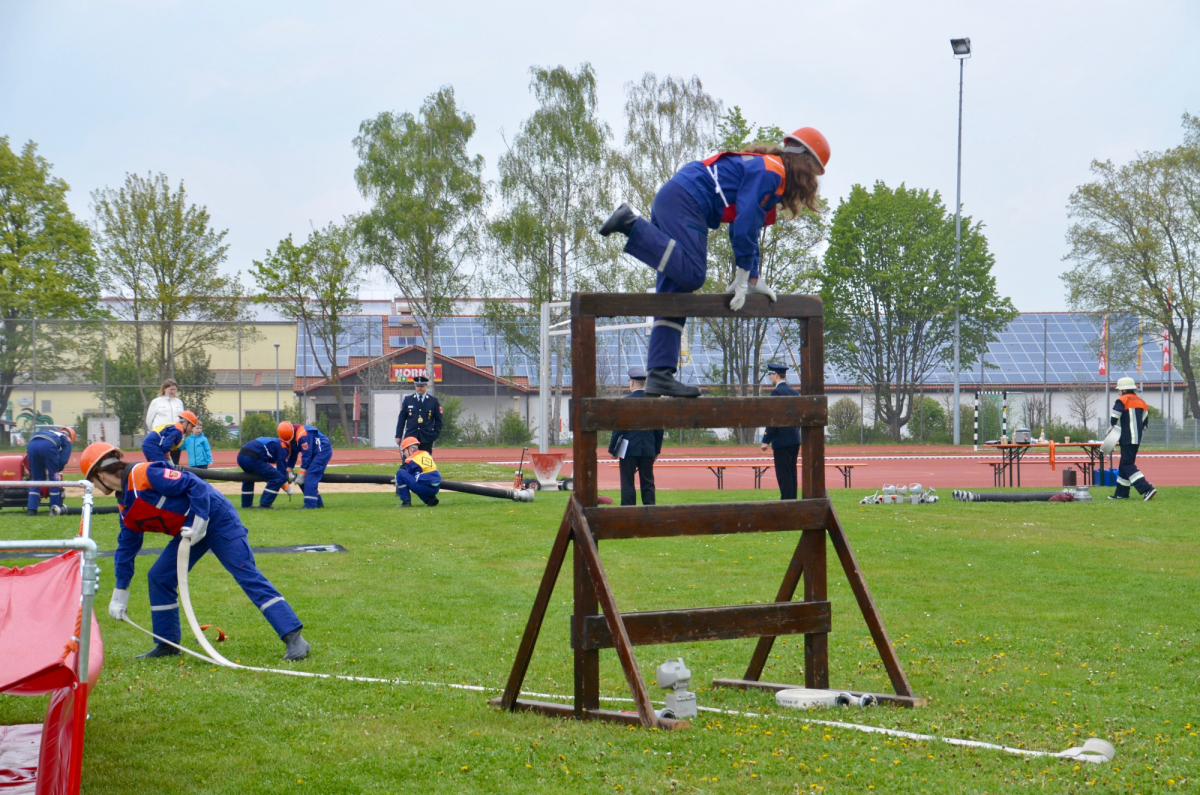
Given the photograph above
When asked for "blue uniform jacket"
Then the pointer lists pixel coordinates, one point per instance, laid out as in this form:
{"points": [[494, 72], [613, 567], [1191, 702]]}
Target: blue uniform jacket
{"points": [[641, 443], [62, 444], [747, 185], [159, 499], [420, 417], [268, 448], [307, 445], [159, 443], [782, 437]]}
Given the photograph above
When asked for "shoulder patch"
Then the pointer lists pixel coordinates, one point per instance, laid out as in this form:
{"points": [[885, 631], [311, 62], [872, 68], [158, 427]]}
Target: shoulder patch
{"points": [[172, 474]]}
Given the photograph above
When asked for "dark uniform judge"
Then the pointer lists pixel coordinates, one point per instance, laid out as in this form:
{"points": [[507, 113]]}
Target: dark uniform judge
{"points": [[636, 449], [785, 442], [420, 416]]}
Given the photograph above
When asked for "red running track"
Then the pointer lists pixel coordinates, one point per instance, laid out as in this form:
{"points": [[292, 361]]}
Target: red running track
{"points": [[937, 467]]}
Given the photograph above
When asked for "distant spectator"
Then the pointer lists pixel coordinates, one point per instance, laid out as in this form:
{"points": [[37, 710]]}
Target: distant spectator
{"points": [[164, 410], [198, 450]]}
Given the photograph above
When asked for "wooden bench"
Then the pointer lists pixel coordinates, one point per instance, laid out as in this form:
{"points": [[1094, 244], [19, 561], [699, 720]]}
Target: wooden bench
{"points": [[718, 469], [999, 468]]}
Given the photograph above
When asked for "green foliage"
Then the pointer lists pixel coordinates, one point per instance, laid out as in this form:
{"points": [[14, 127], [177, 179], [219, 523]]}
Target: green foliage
{"points": [[256, 425], [845, 416], [127, 403], [47, 265], [317, 284], [218, 433], [292, 412], [889, 284], [196, 380], [160, 252], [514, 430], [452, 407], [471, 431], [1133, 245], [428, 196]]}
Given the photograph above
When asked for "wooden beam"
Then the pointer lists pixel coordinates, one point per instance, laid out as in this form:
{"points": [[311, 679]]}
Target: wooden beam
{"points": [[603, 414], [714, 518], [862, 594], [612, 616], [693, 305], [554, 710], [886, 698], [533, 627], [651, 628]]}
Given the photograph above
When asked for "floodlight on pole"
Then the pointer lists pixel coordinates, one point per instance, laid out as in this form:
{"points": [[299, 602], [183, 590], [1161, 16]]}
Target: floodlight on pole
{"points": [[962, 51]]}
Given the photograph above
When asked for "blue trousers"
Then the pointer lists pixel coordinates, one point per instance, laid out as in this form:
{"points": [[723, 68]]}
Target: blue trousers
{"points": [[43, 465], [275, 481], [1128, 473], [426, 487], [312, 479], [675, 243], [226, 538]]}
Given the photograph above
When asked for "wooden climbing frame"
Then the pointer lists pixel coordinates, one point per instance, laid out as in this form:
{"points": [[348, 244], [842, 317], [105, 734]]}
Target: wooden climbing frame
{"points": [[597, 623]]}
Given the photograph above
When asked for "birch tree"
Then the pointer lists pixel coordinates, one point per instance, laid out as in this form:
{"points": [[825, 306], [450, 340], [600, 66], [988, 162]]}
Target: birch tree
{"points": [[429, 196], [1135, 244], [553, 181]]}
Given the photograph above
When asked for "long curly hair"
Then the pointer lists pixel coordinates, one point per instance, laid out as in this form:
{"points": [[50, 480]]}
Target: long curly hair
{"points": [[801, 180]]}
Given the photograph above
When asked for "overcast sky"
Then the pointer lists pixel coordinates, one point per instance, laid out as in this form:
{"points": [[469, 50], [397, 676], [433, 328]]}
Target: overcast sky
{"points": [[254, 105]]}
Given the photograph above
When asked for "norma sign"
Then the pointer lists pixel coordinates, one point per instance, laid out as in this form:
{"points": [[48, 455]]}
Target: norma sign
{"points": [[404, 372]]}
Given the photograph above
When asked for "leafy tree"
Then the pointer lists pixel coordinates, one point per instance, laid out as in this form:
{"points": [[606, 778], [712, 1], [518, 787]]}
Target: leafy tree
{"points": [[196, 381], [553, 180], [47, 265], [844, 419], [125, 398], [888, 282], [316, 284], [257, 424], [429, 196], [1135, 244], [160, 252]]}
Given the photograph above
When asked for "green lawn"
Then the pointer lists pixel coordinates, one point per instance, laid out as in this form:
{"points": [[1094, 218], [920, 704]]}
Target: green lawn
{"points": [[1029, 624]]}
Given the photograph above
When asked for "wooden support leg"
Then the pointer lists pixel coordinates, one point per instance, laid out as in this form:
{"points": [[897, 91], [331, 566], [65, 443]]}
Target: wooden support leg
{"points": [[858, 584], [787, 589], [587, 661], [585, 546], [533, 627], [816, 646]]}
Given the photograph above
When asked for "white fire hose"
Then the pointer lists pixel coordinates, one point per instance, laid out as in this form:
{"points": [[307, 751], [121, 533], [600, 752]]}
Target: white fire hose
{"points": [[1093, 750]]}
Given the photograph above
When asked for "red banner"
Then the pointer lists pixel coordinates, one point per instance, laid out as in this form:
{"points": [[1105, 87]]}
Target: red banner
{"points": [[1104, 348], [1166, 350], [402, 373]]}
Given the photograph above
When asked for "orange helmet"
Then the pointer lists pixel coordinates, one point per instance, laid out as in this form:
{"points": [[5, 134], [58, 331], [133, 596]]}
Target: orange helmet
{"points": [[69, 431], [807, 139], [96, 455], [286, 431], [190, 417], [409, 441]]}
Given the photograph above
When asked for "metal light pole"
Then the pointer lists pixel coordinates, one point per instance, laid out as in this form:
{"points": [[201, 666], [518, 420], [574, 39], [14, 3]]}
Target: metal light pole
{"points": [[962, 51], [277, 417]]}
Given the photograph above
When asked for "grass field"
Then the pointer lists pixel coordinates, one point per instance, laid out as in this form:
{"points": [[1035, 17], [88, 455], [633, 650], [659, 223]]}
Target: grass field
{"points": [[1028, 624]]}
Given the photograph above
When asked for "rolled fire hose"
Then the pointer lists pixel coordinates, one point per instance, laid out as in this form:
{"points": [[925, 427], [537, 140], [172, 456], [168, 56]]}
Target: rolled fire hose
{"points": [[1023, 496], [70, 510], [516, 495]]}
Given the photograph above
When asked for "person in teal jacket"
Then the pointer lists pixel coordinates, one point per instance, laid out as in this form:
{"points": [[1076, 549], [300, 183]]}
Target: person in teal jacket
{"points": [[198, 450]]}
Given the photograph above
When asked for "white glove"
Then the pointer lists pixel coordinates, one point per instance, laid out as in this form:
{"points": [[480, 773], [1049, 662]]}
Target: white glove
{"points": [[118, 604], [763, 288], [738, 287], [196, 531], [300, 479], [290, 489]]}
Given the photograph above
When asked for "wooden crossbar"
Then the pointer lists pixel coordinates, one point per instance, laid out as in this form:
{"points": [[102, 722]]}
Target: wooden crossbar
{"points": [[597, 622], [606, 414], [788, 307], [654, 627], [658, 521]]}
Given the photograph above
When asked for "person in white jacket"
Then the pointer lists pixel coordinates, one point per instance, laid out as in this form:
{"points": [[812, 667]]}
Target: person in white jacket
{"points": [[164, 410]]}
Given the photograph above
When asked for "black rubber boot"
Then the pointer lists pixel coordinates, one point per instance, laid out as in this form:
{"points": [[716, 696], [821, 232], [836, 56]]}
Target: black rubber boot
{"points": [[433, 501], [31, 513], [160, 650], [621, 220], [661, 382], [297, 646], [406, 504]]}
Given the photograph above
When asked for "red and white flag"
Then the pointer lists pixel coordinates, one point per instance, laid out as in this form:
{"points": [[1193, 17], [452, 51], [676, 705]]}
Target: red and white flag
{"points": [[1166, 350], [1104, 347]]}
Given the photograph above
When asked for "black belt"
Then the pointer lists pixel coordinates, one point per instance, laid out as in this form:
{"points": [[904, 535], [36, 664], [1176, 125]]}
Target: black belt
{"points": [[250, 452]]}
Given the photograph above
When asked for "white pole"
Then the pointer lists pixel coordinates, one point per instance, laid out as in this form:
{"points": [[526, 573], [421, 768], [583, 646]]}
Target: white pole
{"points": [[543, 380], [958, 254]]}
